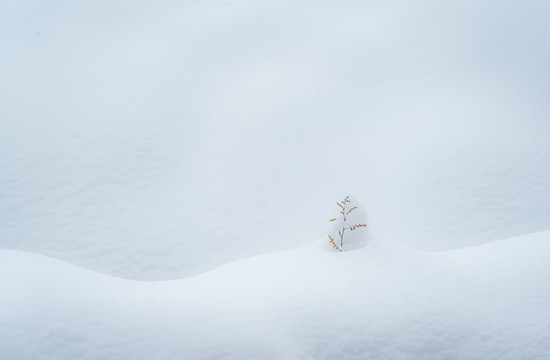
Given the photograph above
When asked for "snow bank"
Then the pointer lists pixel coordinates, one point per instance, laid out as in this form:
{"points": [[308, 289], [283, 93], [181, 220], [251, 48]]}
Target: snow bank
{"points": [[381, 302], [159, 139]]}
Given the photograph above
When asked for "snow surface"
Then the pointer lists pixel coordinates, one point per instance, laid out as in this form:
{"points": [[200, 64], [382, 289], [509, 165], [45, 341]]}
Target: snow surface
{"points": [[158, 139], [381, 302]]}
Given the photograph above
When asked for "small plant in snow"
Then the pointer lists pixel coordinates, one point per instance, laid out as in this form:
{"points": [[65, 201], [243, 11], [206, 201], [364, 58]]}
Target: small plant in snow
{"points": [[346, 209]]}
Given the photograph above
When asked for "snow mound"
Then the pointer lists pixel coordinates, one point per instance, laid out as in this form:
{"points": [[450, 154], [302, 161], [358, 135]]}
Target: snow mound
{"points": [[159, 139], [380, 302]]}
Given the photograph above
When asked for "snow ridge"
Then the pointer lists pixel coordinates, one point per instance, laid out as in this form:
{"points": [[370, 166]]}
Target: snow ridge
{"points": [[380, 302]]}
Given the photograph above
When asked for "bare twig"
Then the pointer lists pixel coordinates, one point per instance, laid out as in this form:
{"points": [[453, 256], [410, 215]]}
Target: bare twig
{"points": [[342, 230]]}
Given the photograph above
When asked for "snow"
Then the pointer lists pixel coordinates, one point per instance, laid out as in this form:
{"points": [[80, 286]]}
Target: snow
{"points": [[383, 301], [166, 165], [159, 139]]}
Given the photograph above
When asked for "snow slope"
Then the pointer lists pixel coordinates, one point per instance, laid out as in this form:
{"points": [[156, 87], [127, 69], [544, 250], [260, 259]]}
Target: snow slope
{"points": [[159, 139], [381, 302]]}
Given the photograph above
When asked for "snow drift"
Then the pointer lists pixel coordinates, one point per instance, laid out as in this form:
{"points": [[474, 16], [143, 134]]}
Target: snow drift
{"points": [[381, 302], [159, 139]]}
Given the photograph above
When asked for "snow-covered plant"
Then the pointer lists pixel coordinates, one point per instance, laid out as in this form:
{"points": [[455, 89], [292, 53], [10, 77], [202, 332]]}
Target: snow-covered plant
{"points": [[346, 208]]}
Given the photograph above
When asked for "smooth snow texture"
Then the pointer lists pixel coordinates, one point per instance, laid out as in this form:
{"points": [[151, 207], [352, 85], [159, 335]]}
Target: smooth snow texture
{"points": [[380, 302], [158, 139]]}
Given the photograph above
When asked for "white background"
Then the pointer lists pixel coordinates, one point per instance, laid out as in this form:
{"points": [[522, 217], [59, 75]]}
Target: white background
{"points": [[156, 140]]}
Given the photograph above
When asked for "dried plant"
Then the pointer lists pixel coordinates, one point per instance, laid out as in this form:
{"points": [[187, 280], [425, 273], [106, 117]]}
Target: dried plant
{"points": [[344, 211]]}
